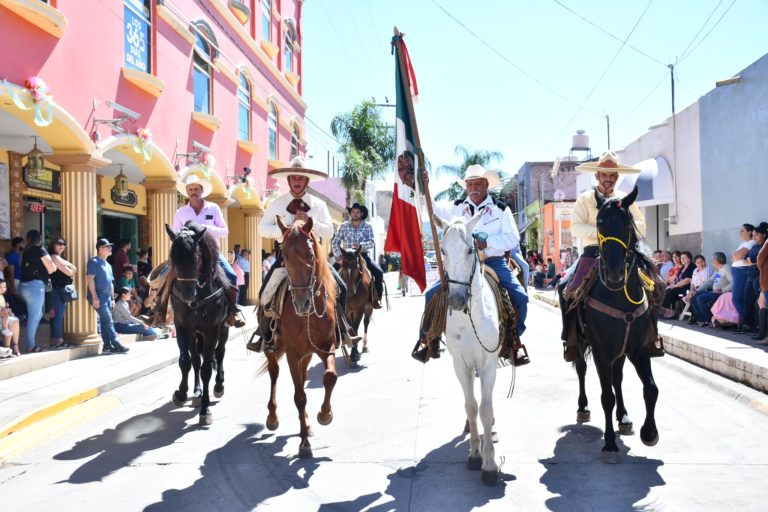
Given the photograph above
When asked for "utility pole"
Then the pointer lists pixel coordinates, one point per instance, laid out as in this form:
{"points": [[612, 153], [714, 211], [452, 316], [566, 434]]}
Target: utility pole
{"points": [[608, 127]]}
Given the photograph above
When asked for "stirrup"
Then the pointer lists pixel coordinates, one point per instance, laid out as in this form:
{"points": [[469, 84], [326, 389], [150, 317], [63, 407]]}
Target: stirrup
{"points": [[517, 358], [420, 351]]}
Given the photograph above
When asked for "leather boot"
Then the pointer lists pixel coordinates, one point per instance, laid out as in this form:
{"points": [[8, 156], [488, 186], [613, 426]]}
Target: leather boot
{"points": [[232, 317], [376, 295], [656, 347], [423, 351], [763, 331], [348, 334]]}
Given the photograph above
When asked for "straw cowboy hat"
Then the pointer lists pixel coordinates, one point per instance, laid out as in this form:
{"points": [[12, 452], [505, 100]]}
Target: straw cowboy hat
{"points": [[363, 210], [182, 184], [297, 167], [475, 171], [607, 163]]}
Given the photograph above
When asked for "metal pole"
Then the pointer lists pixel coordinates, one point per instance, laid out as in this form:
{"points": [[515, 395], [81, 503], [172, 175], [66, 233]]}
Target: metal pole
{"points": [[608, 127], [420, 155]]}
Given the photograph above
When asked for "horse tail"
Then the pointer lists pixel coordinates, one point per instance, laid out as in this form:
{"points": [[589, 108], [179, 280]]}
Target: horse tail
{"points": [[386, 295], [280, 352]]}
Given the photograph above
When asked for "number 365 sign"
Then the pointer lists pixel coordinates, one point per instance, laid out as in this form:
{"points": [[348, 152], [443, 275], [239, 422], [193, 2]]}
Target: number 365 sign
{"points": [[136, 36]]}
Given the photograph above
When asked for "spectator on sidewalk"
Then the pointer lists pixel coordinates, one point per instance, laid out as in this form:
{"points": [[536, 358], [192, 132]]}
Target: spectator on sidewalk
{"points": [[9, 324], [126, 281], [36, 270], [762, 301], [677, 267], [120, 257], [679, 287], [125, 323], [666, 264], [62, 277], [700, 275], [232, 258], [13, 279], [244, 260], [705, 295], [142, 266], [101, 295], [752, 282], [269, 260], [739, 267]]}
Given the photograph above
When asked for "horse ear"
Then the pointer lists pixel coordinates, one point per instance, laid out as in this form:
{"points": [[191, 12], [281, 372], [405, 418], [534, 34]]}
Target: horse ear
{"points": [[627, 200], [170, 232], [473, 222], [439, 222], [599, 199], [358, 250], [307, 227], [281, 224], [199, 234]]}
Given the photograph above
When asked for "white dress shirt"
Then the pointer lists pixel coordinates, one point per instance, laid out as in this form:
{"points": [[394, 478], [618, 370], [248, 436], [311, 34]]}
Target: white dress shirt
{"points": [[318, 212]]}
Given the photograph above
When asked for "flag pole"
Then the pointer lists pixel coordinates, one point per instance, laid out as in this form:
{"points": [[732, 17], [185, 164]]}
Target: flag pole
{"points": [[419, 154]]}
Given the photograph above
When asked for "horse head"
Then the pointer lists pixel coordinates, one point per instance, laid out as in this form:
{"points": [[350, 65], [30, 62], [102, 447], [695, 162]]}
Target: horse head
{"points": [[350, 264], [185, 258], [300, 263], [616, 236], [459, 259]]}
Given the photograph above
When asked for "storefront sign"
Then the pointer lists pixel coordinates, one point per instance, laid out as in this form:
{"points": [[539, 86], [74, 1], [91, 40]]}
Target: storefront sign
{"points": [[5, 202], [48, 180], [36, 207], [137, 36], [130, 200], [563, 212]]}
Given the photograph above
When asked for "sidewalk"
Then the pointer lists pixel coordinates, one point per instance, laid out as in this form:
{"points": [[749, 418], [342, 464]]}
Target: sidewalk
{"points": [[735, 356], [61, 378]]}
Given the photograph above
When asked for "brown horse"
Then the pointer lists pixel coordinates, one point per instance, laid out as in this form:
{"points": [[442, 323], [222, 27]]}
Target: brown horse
{"points": [[307, 325], [359, 303]]}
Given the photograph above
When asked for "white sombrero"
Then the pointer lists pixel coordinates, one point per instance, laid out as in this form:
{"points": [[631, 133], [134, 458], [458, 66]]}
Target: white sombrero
{"points": [[475, 171], [182, 184], [607, 163], [297, 167]]}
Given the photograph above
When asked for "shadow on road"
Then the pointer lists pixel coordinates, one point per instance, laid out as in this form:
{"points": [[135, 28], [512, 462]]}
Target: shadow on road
{"points": [[582, 481], [121, 446]]}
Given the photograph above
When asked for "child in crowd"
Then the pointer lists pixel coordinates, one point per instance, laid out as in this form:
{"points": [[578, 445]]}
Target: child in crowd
{"points": [[127, 282], [9, 325], [125, 323]]}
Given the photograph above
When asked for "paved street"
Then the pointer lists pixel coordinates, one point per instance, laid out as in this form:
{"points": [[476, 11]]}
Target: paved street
{"points": [[396, 441]]}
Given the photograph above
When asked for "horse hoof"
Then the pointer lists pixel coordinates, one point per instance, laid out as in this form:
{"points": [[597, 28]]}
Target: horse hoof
{"points": [[583, 416], [494, 437], [626, 429], [218, 393], [272, 425], [474, 463], [325, 420], [610, 457], [196, 401], [178, 399], [305, 452], [647, 439], [206, 419], [491, 477]]}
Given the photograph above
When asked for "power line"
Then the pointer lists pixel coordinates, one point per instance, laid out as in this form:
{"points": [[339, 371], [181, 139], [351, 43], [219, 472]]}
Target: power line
{"points": [[682, 55], [601, 29], [708, 32], [506, 59]]}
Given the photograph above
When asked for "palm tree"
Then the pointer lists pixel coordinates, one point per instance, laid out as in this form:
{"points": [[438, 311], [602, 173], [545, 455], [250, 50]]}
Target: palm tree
{"points": [[468, 157]]}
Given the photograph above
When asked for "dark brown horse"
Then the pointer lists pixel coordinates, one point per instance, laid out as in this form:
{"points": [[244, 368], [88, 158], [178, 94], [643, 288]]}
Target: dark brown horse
{"points": [[359, 303], [307, 325]]}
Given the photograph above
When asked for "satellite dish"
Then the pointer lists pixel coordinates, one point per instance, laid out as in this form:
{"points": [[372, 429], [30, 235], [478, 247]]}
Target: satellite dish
{"points": [[555, 168], [559, 195]]}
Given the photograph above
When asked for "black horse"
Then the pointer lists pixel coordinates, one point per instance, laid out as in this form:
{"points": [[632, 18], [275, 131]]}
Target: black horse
{"points": [[198, 297], [617, 319]]}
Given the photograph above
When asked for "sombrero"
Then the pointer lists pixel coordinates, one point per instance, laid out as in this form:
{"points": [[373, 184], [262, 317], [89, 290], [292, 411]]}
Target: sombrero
{"points": [[182, 184], [297, 167], [475, 171], [363, 210], [607, 163]]}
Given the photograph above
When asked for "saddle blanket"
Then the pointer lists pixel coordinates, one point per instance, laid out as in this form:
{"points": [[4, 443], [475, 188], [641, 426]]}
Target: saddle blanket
{"points": [[277, 277]]}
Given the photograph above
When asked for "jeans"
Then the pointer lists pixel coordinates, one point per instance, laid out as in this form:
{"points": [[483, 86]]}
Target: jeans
{"points": [[227, 268], [739, 283], [518, 257], [108, 333], [702, 305], [751, 292], [57, 324], [517, 293], [135, 329], [33, 293], [341, 299], [243, 290], [376, 272]]}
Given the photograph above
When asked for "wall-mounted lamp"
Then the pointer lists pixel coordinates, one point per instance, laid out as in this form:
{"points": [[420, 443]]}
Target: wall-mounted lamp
{"points": [[121, 184], [35, 162]]}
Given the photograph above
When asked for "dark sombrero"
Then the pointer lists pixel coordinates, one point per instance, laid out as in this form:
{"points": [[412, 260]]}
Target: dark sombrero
{"points": [[363, 210]]}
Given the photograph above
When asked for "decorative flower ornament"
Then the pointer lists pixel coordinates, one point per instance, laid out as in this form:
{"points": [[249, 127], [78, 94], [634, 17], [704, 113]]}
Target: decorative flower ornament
{"points": [[41, 100], [142, 144], [208, 162]]}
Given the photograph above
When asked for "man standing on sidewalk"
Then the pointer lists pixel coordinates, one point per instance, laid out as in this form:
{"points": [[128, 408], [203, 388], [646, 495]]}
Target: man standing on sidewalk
{"points": [[101, 295], [244, 260]]}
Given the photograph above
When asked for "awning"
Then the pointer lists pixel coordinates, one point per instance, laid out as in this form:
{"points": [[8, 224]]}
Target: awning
{"points": [[654, 183], [527, 225]]}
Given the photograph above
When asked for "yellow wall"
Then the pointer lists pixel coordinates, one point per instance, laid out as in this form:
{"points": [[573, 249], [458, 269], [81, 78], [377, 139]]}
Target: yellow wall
{"points": [[236, 223], [105, 196]]}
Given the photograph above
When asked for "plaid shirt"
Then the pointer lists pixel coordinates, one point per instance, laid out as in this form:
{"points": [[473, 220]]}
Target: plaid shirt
{"points": [[351, 236]]}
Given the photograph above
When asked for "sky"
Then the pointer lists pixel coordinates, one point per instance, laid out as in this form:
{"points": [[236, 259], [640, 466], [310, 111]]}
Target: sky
{"points": [[521, 76]]}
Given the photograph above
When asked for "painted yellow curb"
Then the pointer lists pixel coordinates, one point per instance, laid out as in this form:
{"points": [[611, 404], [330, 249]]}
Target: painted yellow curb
{"points": [[47, 412]]}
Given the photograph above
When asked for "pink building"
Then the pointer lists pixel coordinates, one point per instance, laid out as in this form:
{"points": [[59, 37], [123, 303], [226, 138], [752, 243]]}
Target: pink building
{"points": [[124, 96]]}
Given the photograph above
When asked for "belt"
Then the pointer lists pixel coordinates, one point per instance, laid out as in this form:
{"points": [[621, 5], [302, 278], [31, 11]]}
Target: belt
{"points": [[489, 258]]}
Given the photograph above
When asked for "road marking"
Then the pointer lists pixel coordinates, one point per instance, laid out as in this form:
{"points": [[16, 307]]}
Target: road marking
{"points": [[55, 426]]}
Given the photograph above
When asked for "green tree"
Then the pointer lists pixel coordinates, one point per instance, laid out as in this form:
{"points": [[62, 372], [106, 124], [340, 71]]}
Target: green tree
{"points": [[468, 157], [367, 145]]}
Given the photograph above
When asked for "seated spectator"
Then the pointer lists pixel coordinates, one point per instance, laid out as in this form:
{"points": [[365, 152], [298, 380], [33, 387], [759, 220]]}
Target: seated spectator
{"points": [[539, 275], [705, 295], [125, 323], [142, 266], [700, 275], [550, 269], [679, 287], [9, 324], [677, 267], [724, 311], [666, 264], [126, 281]]}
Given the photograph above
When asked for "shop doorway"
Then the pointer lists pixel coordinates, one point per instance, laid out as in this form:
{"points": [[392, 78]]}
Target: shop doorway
{"points": [[117, 226], [44, 216]]}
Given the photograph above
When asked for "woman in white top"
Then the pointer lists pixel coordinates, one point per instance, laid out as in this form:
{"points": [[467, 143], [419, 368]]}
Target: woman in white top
{"points": [[701, 273], [739, 267]]}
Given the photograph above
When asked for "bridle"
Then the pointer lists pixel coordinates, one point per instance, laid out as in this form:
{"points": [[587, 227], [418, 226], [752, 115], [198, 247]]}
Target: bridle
{"points": [[348, 271], [194, 303], [312, 282], [630, 262]]}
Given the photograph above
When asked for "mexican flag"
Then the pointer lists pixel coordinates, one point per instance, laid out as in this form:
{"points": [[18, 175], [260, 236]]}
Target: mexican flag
{"points": [[404, 232]]}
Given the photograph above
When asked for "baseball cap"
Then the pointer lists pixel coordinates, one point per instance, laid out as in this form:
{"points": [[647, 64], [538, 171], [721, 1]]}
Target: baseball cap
{"points": [[103, 242]]}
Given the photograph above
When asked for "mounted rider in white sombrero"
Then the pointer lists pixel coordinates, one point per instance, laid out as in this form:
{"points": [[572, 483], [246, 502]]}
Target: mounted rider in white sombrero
{"points": [[607, 170], [296, 205]]}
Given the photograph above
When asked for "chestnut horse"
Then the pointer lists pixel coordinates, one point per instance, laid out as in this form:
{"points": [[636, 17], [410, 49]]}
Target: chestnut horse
{"points": [[307, 325], [359, 305]]}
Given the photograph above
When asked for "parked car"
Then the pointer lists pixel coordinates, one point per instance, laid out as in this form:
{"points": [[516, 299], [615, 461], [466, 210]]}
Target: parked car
{"points": [[431, 258]]}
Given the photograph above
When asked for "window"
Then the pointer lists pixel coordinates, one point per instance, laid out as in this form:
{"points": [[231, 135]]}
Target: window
{"points": [[202, 69], [290, 37], [272, 123], [244, 109], [266, 20], [295, 142], [138, 35]]}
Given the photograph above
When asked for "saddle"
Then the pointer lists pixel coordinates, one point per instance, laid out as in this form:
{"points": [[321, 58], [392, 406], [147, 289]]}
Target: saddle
{"points": [[270, 306], [507, 312]]}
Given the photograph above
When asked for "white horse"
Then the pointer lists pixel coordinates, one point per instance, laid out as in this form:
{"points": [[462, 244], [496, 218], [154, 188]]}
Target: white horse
{"points": [[472, 337]]}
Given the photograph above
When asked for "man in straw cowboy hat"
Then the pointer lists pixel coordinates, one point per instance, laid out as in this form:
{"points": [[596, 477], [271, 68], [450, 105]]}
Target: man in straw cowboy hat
{"points": [[354, 233], [296, 205], [607, 170], [495, 234], [206, 214]]}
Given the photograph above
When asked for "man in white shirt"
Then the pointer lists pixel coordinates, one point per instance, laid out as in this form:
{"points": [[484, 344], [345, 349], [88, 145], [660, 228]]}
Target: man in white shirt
{"points": [[298, 205]]}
